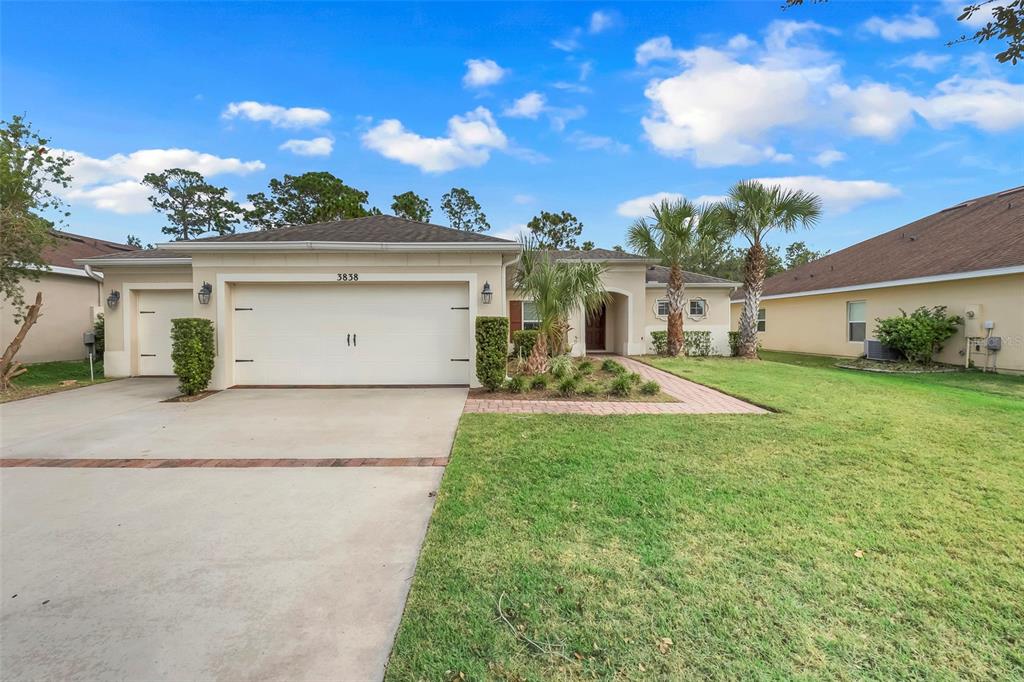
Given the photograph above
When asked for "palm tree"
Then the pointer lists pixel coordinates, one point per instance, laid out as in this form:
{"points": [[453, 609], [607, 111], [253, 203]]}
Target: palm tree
{"points": [[558, 289], [680, 234], [753, 210]]}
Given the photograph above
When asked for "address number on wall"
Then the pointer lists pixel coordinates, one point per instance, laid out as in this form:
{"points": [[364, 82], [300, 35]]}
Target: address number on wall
{"points": [[348, 276]]}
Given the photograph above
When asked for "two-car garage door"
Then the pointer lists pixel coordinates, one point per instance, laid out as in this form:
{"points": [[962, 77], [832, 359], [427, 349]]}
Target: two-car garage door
{"points": [[353, 334]]}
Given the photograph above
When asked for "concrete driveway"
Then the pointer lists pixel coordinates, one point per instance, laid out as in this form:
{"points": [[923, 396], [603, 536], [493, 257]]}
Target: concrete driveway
{"points": [[291, 573]]}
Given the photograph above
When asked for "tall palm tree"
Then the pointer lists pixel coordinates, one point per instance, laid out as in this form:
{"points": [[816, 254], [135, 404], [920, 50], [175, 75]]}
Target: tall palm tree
{"points": [[680, 234], [558, 289], [753, 210]]}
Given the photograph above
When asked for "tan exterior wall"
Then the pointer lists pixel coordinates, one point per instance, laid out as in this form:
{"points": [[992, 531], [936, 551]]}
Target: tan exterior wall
{"points": [[716, 321], [69, 305], [220, 269], [817, 324]]}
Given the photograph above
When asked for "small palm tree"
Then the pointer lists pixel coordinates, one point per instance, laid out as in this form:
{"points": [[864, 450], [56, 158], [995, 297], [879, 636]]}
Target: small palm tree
{"points": [[753, 210], [557, 289], [679, 234]]}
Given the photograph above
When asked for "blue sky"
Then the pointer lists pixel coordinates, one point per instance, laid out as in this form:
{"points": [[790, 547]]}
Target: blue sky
{"points": [[590, 108]]}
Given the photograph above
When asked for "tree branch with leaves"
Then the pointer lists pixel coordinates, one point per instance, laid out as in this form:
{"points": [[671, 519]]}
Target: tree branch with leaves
{"points": [[191, 205]]}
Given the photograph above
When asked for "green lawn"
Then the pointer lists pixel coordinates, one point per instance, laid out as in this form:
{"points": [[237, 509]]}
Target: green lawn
{"points": [[873, 528], [45, 377]]}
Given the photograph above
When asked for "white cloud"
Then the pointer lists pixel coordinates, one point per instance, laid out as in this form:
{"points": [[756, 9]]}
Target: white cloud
{"points": [[278, 116], [318, 146], [828, 157], [907, 27], [529, 105], [639, 207], [601, 21], [989, 104], [570, 43], [923, 61], [469, 142], [587, 142], [740, 42], [719, 110], [984, 14], [561, 116], [524, 199], [838, 196], [876, 109], [482, 72], [114, 183]]}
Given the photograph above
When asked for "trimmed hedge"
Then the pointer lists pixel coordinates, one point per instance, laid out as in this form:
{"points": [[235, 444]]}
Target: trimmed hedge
{"points": [[99, 329], [660, 342], [491, 350], [192, 351], [734, 343], [697, 343], [523, 342]]}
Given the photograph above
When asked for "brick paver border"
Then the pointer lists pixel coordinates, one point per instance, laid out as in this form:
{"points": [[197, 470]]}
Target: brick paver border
{"points": [[693, 399], [139, 463]]}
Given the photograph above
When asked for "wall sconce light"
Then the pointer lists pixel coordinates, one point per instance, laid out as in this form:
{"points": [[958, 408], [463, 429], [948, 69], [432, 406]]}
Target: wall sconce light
{"points": [[204, 293], [486, 293], [113, 298]]}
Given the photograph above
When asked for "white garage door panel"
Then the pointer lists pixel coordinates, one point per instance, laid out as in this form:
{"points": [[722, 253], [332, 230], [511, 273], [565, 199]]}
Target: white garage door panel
{"points": [[350, 334], [156, 309]]}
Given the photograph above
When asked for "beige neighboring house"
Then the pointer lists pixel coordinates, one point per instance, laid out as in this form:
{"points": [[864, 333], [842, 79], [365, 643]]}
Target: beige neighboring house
{"points": [[369, 301], [637, 306], [968, 257], [72, 297]]}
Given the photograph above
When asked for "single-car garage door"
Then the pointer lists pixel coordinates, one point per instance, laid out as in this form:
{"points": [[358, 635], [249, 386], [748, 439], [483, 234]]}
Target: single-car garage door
{"points": [[156, 309], [354, 334]]}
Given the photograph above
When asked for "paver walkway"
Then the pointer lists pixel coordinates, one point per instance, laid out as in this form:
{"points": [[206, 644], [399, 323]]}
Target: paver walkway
{"points": [[693, 399]]}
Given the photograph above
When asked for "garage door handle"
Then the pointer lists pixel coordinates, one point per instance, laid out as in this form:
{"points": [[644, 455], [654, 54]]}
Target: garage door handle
{"points": [[148, 355], [354, 342], [348, 339], [459, 359]]}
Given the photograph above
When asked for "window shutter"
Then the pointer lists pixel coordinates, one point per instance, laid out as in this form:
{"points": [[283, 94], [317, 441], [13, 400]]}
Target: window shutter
{"points": [[515, 315]]}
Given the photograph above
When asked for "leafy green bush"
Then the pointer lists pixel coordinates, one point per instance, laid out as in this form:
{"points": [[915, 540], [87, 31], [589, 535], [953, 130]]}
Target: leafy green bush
{"points": [[539, 382], [99, 329], [734, 343], [516, 384], [697, 343], [650, 388], [660, 342], [523, 341], [491, 351], [621, 386], [192, 351], [634, 378], [610, 365], [920, 334], [569, 385], [590, 388], [585, 368], [561, 366]]}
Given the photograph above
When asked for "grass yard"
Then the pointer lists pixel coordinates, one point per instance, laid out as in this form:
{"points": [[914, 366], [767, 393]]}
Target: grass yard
{"points": [[46, 377], [873, 528]]}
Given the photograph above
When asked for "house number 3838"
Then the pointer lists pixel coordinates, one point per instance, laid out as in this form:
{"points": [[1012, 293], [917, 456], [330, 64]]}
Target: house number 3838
{"points": [[348, 276]]}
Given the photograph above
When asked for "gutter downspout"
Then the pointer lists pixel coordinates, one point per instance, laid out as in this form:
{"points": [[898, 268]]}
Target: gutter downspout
{"points": [[99, 282], [504, 275]]}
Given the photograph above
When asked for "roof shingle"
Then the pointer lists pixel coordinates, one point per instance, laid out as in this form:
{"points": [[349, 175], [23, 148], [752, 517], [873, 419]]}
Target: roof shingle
{"points": [[70, 246], [375, 228]]}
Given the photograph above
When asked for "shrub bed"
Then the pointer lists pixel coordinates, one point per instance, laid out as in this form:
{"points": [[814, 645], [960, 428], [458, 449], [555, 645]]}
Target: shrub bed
{"points": [[576, 379]]}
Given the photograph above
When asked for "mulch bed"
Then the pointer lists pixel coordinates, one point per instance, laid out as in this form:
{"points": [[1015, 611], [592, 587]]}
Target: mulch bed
{"points": [[898, 367], [597, 377]]}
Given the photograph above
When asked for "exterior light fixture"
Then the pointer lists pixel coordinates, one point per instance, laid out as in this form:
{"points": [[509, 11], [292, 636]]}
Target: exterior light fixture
{"points": [[204, 293], [486, 293], [113, 299]]}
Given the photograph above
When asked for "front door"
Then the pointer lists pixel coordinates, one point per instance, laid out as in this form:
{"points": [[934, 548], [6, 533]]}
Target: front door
{"points": [[595, 330]]}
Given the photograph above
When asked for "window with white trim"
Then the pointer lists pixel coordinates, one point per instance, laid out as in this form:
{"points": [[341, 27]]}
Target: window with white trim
{"points": [[762, 319], [856, 321], [698, 307], [531, 320], [662, 307]]}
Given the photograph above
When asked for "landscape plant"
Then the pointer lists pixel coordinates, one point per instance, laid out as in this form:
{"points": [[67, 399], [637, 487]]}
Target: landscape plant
{"points": [[561, 366], [557, 289], [919, 335], [192, 353], [698, 343], [650, 388], [752, 210], [678, 231], [491, 351], [612, 366], [523, 341], [621, 386], [516, 384], [539, 382], [569, 385], [659, 340]]}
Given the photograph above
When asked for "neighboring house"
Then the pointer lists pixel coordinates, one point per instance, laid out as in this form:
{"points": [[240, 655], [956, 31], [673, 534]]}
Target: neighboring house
{"points": [[968, 257], [369, 301], [637, 306], [71, 300]]}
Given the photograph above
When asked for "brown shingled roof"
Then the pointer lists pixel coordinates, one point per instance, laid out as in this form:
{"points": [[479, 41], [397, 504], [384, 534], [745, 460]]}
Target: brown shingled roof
{"points": [[658, 274], [978, 234], [70, 246], [375, 228]]}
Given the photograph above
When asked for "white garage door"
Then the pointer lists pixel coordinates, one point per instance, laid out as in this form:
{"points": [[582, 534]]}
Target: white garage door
{"points": [[354, 334], [156, 309]]}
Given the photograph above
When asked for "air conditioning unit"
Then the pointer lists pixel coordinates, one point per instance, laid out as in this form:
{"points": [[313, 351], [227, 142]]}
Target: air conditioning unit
{"points": [[874, 350]]}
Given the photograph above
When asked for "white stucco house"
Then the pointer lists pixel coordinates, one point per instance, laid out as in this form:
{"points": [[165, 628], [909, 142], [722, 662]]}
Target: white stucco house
{"points": [[370, 301]]}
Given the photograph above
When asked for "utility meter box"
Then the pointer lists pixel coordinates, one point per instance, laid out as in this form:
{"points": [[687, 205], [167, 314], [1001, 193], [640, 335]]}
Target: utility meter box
{"points": [[89, 338], [972, 320], [994, 343]]}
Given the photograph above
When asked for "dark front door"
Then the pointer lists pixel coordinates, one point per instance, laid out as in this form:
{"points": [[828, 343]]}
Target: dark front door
{"points": [[595, 330]]}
